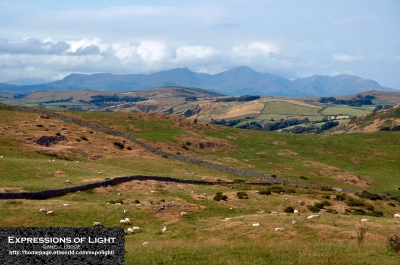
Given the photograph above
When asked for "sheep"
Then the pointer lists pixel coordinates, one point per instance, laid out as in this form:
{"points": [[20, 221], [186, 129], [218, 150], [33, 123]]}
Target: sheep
{"points": [[255, 225], [50, 213], [136, 229], [64, 204], [279, 229], [205, 194], [296, 212], [67, 181], [119, 194], [260, 212], [97, 224], [129, 231], [365, 220], [164, 229], [273, 212], [139, 204], [145, 243], [1, 157], [152, 192], [184, 214], [125, 221], [99, 172], [42, 210], [228, 219], [294, 222], [313, 216], [126, 211], [397, 215]]}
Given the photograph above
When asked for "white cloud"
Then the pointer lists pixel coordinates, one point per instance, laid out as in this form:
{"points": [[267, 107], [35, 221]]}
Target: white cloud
{"points": [[335, 73], [153, 51], [194, 52], [346, 58]]}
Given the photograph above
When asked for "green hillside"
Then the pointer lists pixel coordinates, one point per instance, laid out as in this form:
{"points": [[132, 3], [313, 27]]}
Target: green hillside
{"points": [[215, 232]]}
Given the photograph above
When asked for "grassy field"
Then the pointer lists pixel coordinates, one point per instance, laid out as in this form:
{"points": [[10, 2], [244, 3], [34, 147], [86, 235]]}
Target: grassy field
{"points": [[206, 236]]}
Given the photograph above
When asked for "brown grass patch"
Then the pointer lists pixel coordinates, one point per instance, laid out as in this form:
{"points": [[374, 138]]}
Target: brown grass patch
{"points": [[287, 152]]}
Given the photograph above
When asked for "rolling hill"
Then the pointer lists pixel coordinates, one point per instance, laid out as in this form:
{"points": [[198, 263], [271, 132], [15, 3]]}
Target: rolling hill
{"points": [[39, 151]]}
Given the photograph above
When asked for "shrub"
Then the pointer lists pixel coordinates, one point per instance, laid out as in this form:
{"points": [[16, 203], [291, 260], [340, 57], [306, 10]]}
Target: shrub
{"points": [[391, 204], [242, 195], [288, 209], [326, 189], [360, 234], [118, 144], [129, 148], [326, 197], [368, 195], [219, 197], [84, 138], [321, 205], [265, 192], [273, 175], [393, 243], [188, 143], [359, 211], [369, 207], [291, 191], [164, 155], [276, 189], [332, 211], [39, 125], [313, 208], [303, 177], [58, 134], [239, 180], [375, 213], [354, 202], [137, 201], [340, 197]]}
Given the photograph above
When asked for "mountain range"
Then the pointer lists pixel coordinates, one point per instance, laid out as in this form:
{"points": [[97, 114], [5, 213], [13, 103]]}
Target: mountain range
{"points": [[237, 81]]}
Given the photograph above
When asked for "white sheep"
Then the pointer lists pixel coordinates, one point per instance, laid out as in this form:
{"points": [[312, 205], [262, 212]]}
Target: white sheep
{"points": [[126, 211], [313, 216], [122, 221], [294, 222], [129, 231], [1, 157], [255, 225], [50, 213], [397, 215], [42, 210], [67, 181], [279, 229], [205, 194], [228, 219], [152, 192], [260, 212], [139, 204], [127, 221], [97, 224], [274, 212], [145, 243], [64, 204], [136, 229], [365, 220], [296, 212], [164, 229], [184, 214]]}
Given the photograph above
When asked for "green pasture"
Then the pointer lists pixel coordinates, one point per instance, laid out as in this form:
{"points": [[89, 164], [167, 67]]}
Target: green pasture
{"points": [[287, 108], [342, 109]]}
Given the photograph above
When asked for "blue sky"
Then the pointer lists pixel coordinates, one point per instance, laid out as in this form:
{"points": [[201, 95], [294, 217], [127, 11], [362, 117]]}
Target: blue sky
{"points": [[50, 39]]}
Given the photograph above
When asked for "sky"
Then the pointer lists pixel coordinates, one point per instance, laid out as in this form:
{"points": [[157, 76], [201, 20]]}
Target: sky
{"points": [[46, 40]]}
